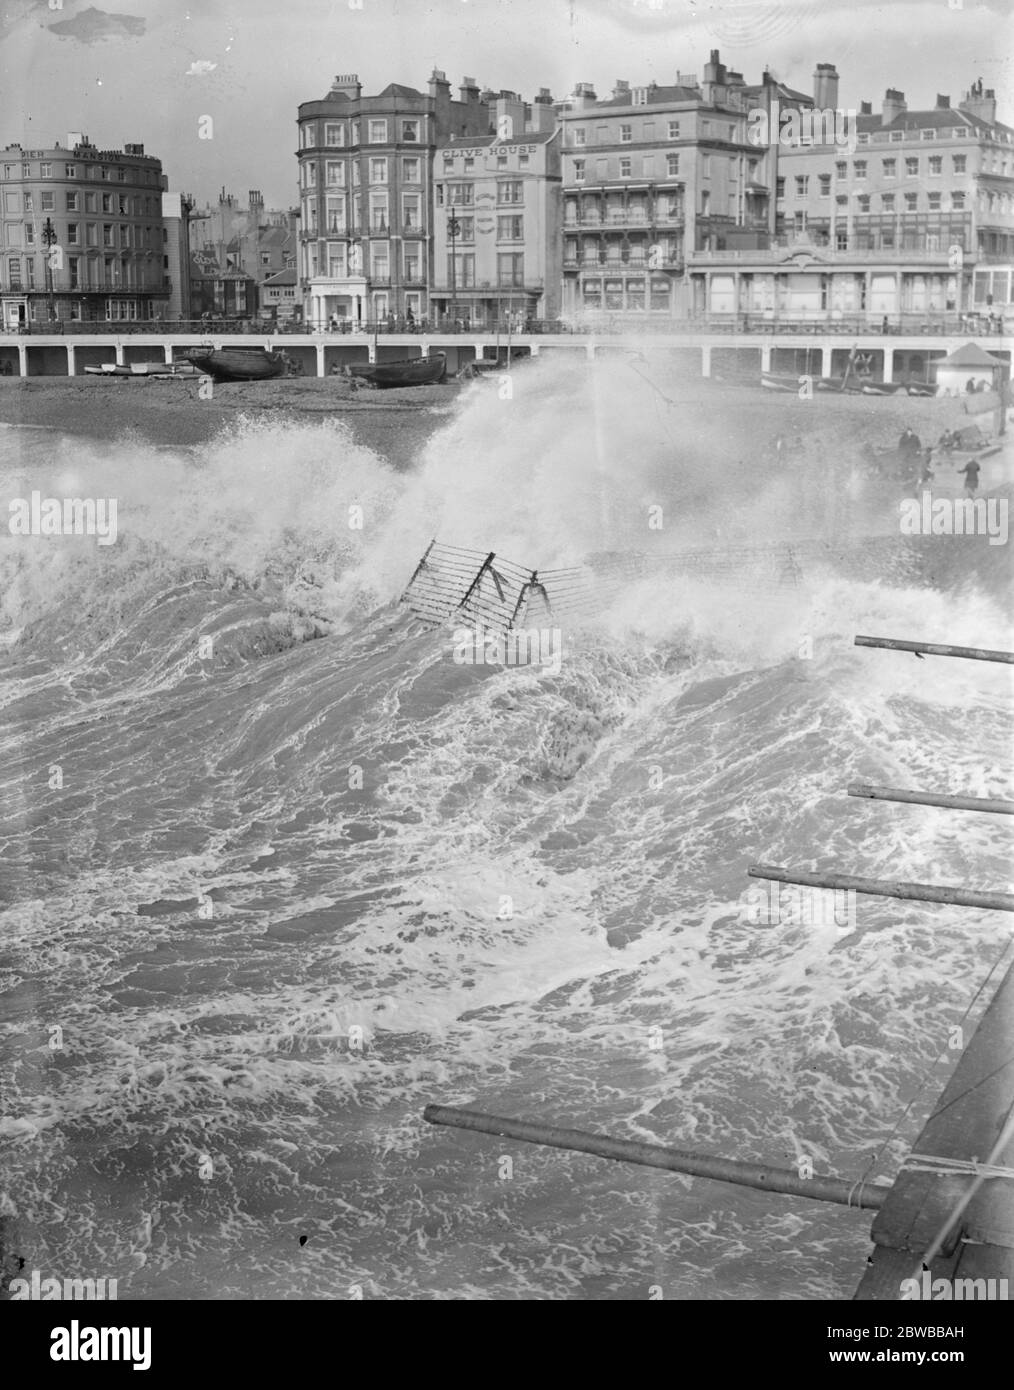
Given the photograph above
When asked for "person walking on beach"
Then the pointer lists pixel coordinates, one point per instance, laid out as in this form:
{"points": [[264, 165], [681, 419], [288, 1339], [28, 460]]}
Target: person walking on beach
{"points": [[909, 443], [909, 456], [971, 472]]}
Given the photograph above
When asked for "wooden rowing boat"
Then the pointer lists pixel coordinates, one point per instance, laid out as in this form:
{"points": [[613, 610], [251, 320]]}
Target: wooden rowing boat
{"points": [[407, 371], [238, 363], [144, 369]]}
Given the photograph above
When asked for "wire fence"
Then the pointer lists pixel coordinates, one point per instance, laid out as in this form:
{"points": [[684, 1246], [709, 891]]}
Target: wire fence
{"points": [[497, 594]]}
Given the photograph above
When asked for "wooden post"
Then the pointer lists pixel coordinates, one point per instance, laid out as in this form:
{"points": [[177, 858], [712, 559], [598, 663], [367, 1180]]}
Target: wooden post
{"points": [[419, 566], [531, 582], [897, 644], [956, 803], [888, 888], [478, 578], [784, 1180]]}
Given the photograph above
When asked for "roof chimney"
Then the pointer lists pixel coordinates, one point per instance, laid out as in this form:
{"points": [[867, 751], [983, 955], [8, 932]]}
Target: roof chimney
{"points": [[622, 89], [866, 108], [346, 84], [943, 103], [509, 117], [714, 71], [980, 103], [440, 91], [584, 96], [894, 105], [468, 91], [825, 87]]}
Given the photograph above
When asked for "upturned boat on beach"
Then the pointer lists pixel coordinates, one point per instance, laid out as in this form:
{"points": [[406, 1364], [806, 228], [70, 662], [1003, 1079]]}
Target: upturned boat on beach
{"points": [[882, 388], [849, 385], [407, 371], [144, 369], [772, 382]]}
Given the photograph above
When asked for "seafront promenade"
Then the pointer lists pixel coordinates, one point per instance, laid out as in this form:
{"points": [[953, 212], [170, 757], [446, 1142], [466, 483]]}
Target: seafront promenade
{"points": [[705, 351]]}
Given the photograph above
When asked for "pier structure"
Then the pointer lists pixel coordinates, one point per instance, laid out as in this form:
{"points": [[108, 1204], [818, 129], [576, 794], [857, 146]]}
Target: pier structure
{"points": [[944, 1228], [705, 351]]}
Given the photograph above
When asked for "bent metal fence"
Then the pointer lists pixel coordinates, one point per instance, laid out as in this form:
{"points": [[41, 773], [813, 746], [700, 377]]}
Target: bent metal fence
{"points": [[489, 591], [499, 594]]}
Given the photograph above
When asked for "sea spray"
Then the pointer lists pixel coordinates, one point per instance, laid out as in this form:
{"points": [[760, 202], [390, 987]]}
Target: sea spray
{"points": [[514, 887]]}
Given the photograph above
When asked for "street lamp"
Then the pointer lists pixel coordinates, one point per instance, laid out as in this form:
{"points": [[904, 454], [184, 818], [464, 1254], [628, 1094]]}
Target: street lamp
{"points": [[453, 228], [49, 238]]}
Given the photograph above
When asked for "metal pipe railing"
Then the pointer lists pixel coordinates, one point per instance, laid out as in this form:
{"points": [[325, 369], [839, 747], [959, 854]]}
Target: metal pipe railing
{"points": [[757, 1175], [956, 803], [887, 888], [897, 644]]}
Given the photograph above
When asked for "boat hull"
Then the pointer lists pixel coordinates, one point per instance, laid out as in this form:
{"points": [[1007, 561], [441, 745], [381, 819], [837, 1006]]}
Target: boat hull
{"points": [[144, 369], [411, 371], [794, 383], [853, 386], [883, 388], [238, 364]]}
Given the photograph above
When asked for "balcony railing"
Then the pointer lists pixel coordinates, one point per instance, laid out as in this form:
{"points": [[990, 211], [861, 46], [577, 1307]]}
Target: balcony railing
{"points": [[617, 219], [782, 253], [669, 260]]}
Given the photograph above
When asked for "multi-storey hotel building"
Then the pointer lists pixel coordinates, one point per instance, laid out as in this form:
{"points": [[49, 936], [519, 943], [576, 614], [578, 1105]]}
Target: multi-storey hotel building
{"points": [[365, 177], [651, 175], [910, 222], [82, 234], [497, 220]]}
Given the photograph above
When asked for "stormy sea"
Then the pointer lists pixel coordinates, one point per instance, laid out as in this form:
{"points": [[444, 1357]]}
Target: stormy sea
{"points": [[278, 871]]}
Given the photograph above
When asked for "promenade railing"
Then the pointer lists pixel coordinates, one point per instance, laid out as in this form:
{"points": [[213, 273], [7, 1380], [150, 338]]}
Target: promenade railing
{"points": [[603, 325]]}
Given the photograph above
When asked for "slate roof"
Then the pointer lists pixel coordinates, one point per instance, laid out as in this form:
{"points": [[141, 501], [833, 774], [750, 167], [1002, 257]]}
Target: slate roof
{"points": [[970, 355]]}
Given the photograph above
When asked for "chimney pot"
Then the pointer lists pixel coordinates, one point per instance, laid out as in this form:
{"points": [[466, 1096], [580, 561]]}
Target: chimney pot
{"points": [[894, 105]]}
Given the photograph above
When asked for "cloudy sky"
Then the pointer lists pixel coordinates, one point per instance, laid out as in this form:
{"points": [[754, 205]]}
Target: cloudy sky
{"points": [[150, 71]]}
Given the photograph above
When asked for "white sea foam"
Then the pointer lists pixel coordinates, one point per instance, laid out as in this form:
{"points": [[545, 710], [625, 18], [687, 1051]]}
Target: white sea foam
{"points": [[435, 882]]}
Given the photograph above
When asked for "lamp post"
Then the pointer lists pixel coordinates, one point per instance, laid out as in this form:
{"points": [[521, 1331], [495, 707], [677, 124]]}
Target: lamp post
{"points": [[49, 238], [453, 228]]}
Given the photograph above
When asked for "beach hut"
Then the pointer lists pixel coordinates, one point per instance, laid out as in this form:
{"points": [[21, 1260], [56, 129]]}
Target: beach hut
{"points": [[969, 363]]}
